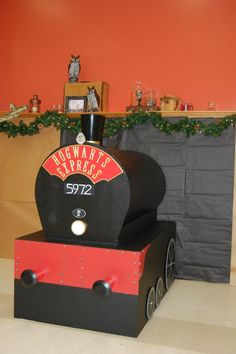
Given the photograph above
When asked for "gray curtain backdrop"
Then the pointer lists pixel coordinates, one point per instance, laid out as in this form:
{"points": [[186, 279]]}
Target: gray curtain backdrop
{"points": [[199, 173]]}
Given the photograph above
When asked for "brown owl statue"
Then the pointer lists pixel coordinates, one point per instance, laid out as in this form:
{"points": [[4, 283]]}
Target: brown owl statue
{"points": [[92, 100], [74, 68]]}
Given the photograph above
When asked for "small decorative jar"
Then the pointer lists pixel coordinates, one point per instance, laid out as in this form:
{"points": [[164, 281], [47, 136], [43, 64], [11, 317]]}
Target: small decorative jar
{"points": [[151, 100], [34, 104]]}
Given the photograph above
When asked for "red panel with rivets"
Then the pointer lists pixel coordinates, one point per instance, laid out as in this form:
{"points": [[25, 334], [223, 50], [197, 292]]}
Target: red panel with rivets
{"points": [[80, 266]]}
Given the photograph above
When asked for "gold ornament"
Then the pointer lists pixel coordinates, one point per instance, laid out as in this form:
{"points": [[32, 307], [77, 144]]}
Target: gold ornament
{"points": [[15, 112]]}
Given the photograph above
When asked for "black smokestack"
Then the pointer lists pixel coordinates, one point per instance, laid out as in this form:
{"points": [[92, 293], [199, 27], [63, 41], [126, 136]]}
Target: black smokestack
{"points": [[92, 127]]}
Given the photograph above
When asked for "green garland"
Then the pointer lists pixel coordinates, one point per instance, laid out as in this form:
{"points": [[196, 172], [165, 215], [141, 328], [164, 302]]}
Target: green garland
{"points": [[113, 126]]}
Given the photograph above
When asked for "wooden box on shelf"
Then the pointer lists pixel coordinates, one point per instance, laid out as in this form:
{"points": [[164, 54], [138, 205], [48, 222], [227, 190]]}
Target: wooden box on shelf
{"points": [[80, 90]]}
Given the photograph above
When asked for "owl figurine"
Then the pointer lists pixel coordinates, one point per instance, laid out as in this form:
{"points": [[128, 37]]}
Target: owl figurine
{"points": [[92, 100], [74, 68]]}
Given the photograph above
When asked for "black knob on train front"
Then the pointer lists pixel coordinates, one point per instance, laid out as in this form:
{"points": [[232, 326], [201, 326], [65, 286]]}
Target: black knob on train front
{"points": [[28, 278], [102, 288]]}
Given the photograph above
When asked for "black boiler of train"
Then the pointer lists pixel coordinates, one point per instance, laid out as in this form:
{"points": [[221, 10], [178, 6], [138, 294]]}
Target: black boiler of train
{"points": [[102, 261]]}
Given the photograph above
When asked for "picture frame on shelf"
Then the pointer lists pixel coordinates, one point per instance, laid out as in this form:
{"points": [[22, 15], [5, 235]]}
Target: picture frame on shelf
{"points": [[74, 104]]}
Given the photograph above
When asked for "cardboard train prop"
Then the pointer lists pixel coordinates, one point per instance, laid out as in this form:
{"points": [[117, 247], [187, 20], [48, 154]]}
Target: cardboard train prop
{"points": [[102, 261]]}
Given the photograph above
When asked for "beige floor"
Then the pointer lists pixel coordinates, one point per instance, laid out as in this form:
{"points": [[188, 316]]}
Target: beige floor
{"points": [[194, 317]]}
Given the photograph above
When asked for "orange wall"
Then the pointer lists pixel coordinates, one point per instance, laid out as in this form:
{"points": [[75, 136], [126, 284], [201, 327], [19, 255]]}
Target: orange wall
{"points": [[183, 47]]}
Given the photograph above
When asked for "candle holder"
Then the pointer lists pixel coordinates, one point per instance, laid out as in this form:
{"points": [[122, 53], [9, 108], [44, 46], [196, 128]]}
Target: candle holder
{"points": [[151, 101], [137, 96], [211, 106]]}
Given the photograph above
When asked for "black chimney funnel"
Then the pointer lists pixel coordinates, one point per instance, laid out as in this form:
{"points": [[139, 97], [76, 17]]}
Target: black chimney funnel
{"points": [[92, 127]]}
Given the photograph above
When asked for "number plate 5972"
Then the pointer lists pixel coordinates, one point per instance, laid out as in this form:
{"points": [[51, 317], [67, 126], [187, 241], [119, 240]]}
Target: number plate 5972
{"points": [[78, 188]]}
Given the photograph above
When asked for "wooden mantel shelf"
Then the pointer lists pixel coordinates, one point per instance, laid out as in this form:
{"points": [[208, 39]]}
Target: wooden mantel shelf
{"points": [[189, 114]]}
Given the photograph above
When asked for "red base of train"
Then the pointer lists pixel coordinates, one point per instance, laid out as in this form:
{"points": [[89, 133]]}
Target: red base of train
{"points": [[103, 289]]}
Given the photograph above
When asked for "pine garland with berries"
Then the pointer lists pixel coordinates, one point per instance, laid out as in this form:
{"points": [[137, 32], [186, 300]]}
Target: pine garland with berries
{"points": [[113, 126]]}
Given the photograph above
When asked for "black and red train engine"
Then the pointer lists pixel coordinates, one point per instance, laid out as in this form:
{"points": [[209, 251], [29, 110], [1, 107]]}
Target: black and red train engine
{"points": [[102, 261]]}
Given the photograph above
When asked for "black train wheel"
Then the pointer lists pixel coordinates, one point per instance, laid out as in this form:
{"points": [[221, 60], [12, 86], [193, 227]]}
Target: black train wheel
{"points": [[170, 264], [151, 303], [159, 290]]}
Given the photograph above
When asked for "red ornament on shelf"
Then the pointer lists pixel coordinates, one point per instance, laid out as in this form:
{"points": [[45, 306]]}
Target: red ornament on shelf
{"points": [[186, 107], [34, 104]]}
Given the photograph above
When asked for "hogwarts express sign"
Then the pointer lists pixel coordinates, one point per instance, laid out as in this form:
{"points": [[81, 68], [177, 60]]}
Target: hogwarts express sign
{"points": [[87, 160]]}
